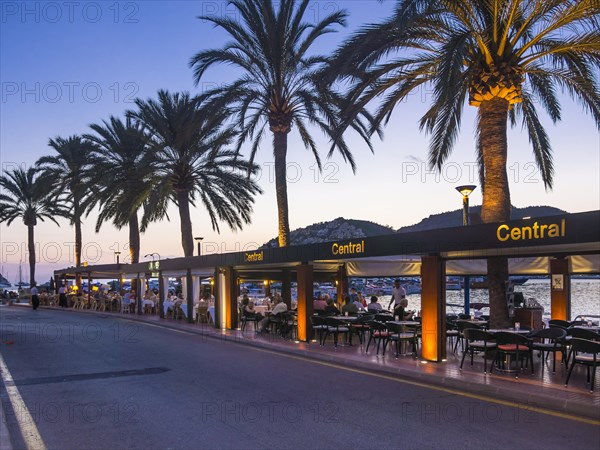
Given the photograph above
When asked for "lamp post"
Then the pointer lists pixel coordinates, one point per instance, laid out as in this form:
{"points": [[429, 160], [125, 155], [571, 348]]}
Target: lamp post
{"points": [[199, 241], [117, 253], [151, 255], [465, 191]]}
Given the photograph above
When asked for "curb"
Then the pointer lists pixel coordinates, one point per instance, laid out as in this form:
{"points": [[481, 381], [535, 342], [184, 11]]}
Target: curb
{"points": [[527, 402]]}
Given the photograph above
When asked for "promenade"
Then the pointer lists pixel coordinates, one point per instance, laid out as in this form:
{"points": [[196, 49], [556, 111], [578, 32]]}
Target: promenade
{"points": [[542, 391]]}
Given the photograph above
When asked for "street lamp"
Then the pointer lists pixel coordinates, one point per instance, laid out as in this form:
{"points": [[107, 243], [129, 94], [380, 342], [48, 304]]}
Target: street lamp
{"points": [[151, 255], [199, 241], [117, 253], [465, 191]]}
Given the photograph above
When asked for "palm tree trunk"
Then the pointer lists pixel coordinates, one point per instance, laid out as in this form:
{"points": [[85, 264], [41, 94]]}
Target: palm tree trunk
{"points": [[31, 246], [78, 239], [134, 238], [280, 151], [496, 199], [187, 240]]}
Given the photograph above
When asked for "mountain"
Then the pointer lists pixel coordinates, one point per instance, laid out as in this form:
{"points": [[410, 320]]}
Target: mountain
{"points": [[334, 230], [341, 228], [455, 218]]}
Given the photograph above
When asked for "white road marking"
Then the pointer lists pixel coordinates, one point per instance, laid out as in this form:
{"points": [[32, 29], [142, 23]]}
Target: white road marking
{"points": [[29, 430]]}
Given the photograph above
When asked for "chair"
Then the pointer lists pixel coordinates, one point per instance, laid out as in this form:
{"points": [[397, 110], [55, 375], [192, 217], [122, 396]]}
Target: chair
{"points": [[336, 327], [288, 325], [403, 333], [320, 326], [451, 332], [559, 322], [590, 358], [580, 333], [245, 318], [461, 326], [551, 340], [478, 341], [384, 317], [513, 344], [202, 315], [583, 333], [378, 332], [361, 326]]}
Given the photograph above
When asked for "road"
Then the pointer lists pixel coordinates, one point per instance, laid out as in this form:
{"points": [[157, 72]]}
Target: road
{"points": [[103, 382]]}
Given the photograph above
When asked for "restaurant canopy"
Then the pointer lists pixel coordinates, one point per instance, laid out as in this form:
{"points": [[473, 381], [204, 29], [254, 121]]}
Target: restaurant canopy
{"points": [[529, 244]]}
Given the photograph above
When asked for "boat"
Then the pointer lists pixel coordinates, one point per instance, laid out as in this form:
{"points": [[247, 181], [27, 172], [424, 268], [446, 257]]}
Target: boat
{"points": [[21, 284], [453, 284]]}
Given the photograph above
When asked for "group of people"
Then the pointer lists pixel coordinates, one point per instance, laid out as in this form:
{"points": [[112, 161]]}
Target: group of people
{"points": [[355, 302], [248, 310]]}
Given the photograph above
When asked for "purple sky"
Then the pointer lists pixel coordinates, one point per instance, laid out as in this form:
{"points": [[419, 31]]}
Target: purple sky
{"points": [[65, 65]]}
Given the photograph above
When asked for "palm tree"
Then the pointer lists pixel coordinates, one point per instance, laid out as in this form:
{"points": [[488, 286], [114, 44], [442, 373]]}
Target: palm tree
{"points": [[192, 163], [506, 57], [26, 197], [123, 176], [67, 174], [279, 86]]}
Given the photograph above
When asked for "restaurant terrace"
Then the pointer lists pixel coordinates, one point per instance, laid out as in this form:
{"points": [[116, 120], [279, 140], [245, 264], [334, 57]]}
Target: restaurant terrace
{"points": [[559, 246]]}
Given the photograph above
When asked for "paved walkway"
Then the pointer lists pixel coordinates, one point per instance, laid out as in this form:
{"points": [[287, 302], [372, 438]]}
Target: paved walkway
{"points": [[541, 390]]}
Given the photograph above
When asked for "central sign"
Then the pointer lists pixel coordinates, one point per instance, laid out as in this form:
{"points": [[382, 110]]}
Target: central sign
{"points": [[529, 232], [350, 248], [254, 256]]}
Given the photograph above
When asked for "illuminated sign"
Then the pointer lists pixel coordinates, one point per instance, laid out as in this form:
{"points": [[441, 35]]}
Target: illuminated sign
{"points": [[254, 256], [154, 265], [348, 249], [529, 232]]}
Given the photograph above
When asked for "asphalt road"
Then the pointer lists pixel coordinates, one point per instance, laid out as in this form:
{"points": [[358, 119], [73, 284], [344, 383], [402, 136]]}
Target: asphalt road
{"points": [[101, 382]]}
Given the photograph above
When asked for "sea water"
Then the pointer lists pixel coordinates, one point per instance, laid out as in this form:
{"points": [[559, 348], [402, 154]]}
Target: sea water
{"points": [[585, 297]]}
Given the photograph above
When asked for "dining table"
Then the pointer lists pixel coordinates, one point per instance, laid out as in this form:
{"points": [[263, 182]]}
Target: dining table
{"points": [[509, 330]]}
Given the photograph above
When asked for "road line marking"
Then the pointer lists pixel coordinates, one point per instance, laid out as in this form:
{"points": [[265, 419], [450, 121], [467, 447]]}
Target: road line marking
{"points": [[530, 408], [162, 327], [29, 430]]}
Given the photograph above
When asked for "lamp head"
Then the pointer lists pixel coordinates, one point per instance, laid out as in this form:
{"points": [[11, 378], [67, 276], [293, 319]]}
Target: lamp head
{"points": [[466, 189]]}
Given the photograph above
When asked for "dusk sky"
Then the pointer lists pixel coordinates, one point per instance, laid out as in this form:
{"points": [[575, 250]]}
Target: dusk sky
{"points": [[65, 65]]}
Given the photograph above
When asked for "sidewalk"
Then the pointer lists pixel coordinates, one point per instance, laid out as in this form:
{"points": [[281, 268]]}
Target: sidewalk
{"points": [[529, 392]]}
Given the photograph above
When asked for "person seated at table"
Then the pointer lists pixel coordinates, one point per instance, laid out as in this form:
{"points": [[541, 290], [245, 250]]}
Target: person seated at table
{"points": [[350, 306], [280, 307], [319, 304], [374, 306], [401, 311], [331, 309], [361, 300], [248, 309]]}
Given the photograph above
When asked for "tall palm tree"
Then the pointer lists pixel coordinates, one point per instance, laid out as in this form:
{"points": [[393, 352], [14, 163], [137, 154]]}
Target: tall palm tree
{"points": [[123, 178], [67, 174], [26, 196], [192, 163], [279, 85], [505, 57]]}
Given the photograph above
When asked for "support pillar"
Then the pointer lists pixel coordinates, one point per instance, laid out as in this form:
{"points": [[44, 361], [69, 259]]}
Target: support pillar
{"points": [[560, 290], [189, 295], [433, 308], [286, 287], [305, 301], [342, 284], [216, 289], [229, 298], [161, 295], [138, 295]]}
